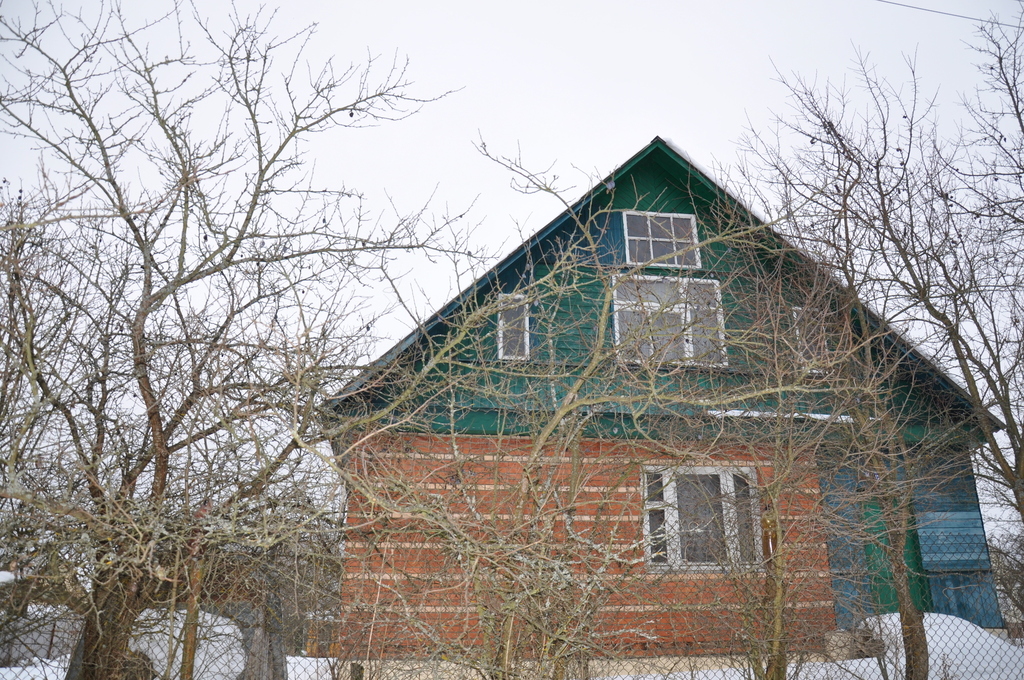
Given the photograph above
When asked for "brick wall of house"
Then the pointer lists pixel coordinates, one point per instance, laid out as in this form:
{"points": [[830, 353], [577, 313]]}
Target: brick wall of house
{"points": [[450, 538]]}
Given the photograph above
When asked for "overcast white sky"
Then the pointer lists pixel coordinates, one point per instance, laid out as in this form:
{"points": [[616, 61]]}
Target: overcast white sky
{"points": [[584, 85]]}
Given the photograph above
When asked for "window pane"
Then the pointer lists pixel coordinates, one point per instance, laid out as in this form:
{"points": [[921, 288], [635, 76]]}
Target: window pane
{"points": [[661, 227], [683, 229], [634, 334], [661, 292], [687, 258], [674, 349], [667, 324], [701, 524], [705, 328], [636, 225], [515, 336], [655, 488], [707, 346], [639, 251], [662, 250], [631, 325], [667, 335], [628, 290], [656, 518], [703, 294], [659, 541]]}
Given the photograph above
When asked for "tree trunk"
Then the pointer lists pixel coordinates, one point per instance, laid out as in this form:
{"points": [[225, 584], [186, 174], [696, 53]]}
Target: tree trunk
{"points": [[194, 570], [262, 637], [775, 598], [191, 641], [912, 631], [915, 643], [102, 652]]}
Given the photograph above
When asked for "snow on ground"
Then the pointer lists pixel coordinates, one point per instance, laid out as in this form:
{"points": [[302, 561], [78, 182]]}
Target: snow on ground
{"points": [[307, 668], [958, 650], [42, 669], [219, 653]]}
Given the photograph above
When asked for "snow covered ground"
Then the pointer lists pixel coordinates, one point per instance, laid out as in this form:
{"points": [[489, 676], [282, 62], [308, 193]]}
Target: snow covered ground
{"points": [[958, 650], [42, 669], [303, 668], [219, 654], [299, 668]]}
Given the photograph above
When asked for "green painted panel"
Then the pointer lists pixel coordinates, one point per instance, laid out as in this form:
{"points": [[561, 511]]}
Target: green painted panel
{"points": [[572, 312]]}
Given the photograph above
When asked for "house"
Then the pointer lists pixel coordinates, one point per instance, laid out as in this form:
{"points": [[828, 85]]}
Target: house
{"points": [[654, 433]]}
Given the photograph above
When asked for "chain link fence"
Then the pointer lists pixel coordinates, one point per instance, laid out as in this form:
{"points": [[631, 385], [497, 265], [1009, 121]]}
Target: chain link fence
{"points": [[41, 644], [356, 618]]}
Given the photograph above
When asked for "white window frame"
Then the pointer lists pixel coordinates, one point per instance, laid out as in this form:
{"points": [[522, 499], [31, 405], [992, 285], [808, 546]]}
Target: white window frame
{"points": [[518, 300], [673, 531], [809, 355], [656, 262], [682, 307]]}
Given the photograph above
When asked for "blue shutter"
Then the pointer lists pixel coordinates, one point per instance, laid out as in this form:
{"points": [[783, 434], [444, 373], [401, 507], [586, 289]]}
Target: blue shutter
{"points": [[955, 552]]}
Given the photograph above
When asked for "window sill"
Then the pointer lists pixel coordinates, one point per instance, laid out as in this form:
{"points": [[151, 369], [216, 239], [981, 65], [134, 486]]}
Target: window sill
{"points": [[677, 570]]}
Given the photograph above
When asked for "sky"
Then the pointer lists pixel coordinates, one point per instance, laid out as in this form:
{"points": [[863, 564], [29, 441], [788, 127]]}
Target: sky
{"points": [[576, 88], [579, 87], [584, 85]]}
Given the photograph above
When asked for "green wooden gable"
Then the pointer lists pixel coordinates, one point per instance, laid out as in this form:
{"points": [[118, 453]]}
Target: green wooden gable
{"points": [[569, 278]]}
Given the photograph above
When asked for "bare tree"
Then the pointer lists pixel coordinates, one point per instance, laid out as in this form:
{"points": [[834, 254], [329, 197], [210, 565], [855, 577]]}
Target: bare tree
{"points": [[925, 228], [1008, 558], [178, 299]]}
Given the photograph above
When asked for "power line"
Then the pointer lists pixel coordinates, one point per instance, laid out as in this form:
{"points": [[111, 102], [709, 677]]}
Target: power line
{"points": [[948, 14]]}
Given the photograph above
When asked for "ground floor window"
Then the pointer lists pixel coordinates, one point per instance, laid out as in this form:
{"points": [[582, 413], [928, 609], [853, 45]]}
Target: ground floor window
{"points": [[700, 517]]}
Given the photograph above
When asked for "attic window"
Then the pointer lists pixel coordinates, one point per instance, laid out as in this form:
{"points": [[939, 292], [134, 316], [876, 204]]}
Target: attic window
{"points": [[810, 336], [513, 327], [661, 239], [669, 319]]}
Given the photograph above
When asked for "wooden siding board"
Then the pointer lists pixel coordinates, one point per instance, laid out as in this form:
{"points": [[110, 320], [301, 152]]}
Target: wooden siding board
{"points": [[968, 595]]}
